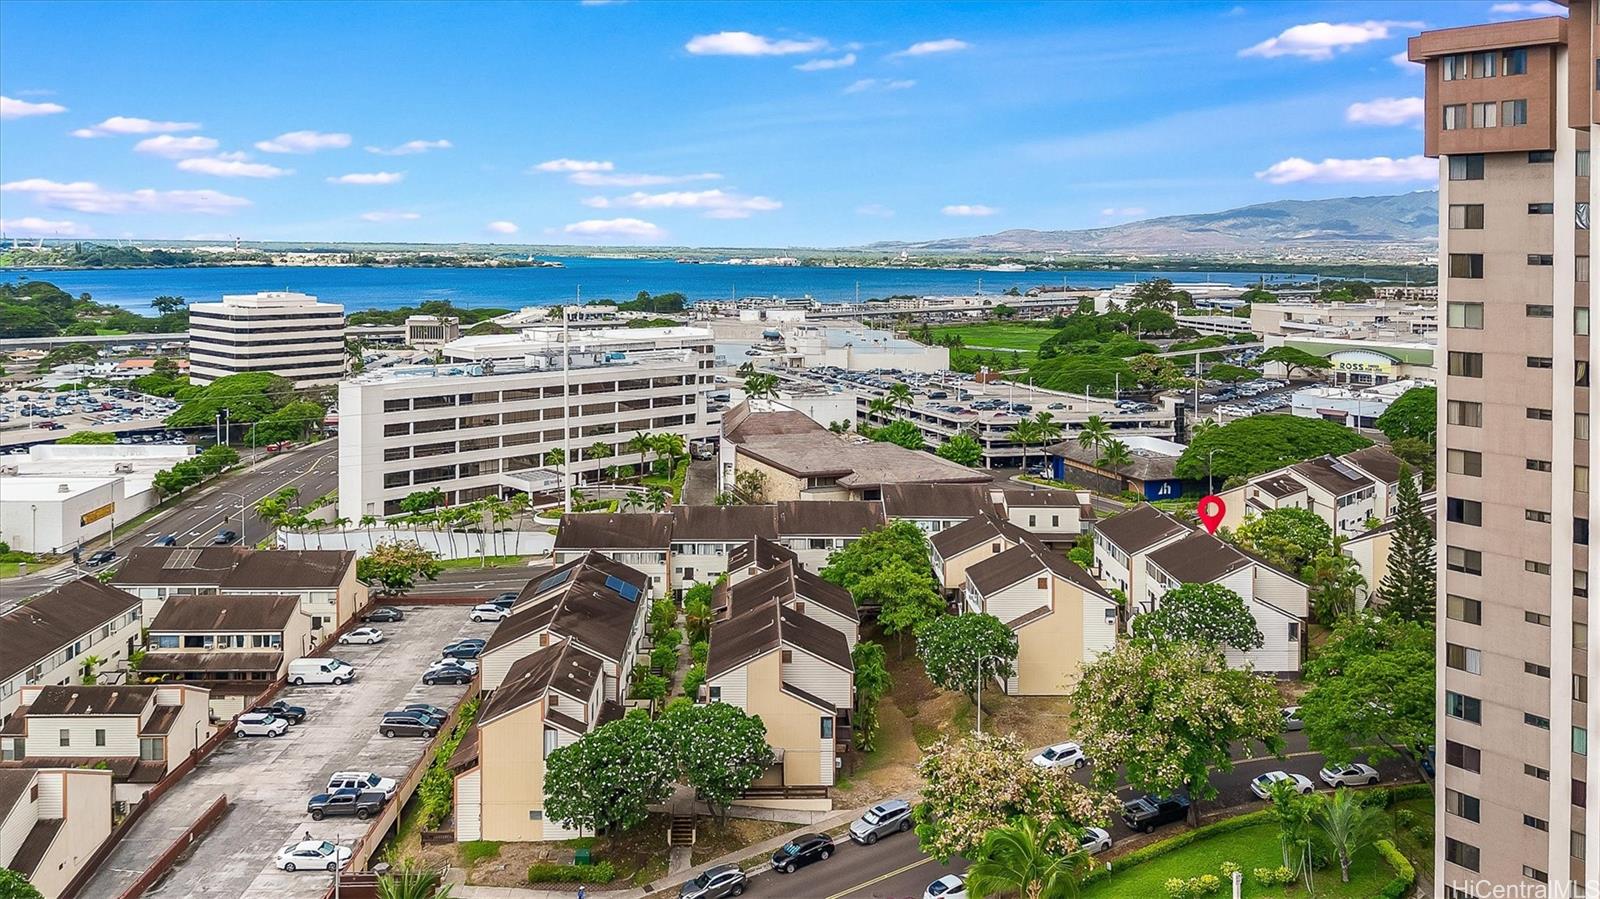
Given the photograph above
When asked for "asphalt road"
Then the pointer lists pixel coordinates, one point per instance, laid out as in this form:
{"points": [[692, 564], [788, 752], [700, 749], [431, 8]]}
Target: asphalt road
{"points": [[480, 581]]}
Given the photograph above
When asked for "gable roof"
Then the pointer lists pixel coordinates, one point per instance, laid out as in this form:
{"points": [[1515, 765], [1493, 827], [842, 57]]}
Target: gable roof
{"points": [[213, 612], [75, 699], [1279, 485], [1025, 560], [559, 666], [236, 567], [579, 601], [1139, 528], [1046, 498], [723, 523], [13, 781], [831, 518], [743, 422], [764, 628], [615, 530], [1331, 475], [1378, 462], [1200, 559], [50, 621], [856, 462], [973, 532], [762, 553], [787, 581], [935, 500], [1146, 465]]}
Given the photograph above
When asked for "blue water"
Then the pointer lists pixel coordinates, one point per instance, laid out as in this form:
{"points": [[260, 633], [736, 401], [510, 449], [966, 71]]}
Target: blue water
{"points": [[618, 279]]}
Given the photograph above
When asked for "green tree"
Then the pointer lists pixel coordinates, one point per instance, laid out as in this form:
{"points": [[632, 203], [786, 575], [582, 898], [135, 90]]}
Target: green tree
{"points": [[1022, 858], [1347, 825], [1372, 691], [1208, 614], [1093, 433], [1025, 434], [900, 394], [87, 438], [906, 597], [697, 611], [1156, 293], [1291, 809], [875, 549], [608, 779], [1223, 371], [1336, 584], [1168, 714], [166, 305], [962, 651], [292, 422], [1114, 456], [962, 448], [1419, 454], [873, 682], [718, 750], [406, 882], [1288, 538], [900, 432], [247, 397], [1414, 415], [1292, 358], [394, 566], [1249, 446], [1408, 585], [640, 443], [14, 886], [761, 384]]}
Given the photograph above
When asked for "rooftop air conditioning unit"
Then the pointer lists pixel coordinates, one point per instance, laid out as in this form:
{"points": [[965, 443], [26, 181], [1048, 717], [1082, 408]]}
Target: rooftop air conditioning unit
{"points": [[123, 468], [8, 470]]}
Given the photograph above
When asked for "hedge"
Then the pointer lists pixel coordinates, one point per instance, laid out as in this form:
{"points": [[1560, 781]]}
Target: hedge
{"points": [[599, 872], [1404, 874], [1156, 850]]}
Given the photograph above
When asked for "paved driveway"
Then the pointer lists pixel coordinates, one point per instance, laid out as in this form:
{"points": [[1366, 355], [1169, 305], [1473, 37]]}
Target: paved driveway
{"points": [[269, 780]]}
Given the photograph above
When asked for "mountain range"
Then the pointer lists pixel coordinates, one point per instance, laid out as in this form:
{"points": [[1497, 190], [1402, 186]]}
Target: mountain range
{"points": [[1411, 218]]}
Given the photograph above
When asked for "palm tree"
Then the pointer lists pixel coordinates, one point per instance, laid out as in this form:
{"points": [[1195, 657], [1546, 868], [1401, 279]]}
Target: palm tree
{"points": [[368, 521], [881, 405], [1346, 825], [1093, 432], [1017, 858], [617, 472], [900, 394], [91, 665], [600, 450], [760, 384], [641, 443], [672, 448], [1115, 456], [1049, 429], [1026, 433], [656, 499]]}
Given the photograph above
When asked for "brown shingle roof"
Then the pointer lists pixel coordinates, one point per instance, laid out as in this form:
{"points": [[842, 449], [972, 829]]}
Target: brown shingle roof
{"points": [[1199, 559], [976, 531], [830, 518], [692, 524], [121, 766], [737, 640], [857, 463], [787, 581], [1048, 499], [584, 606], [935, 500], [1279, 486], [742, 422], [614, 530], [762, 553], [217, 612], [560, 666], [13, 782], [160, 720], [1327, 473], [1138, 528], [50, 621], [203, 662], [236, 567], [1378, 461], [35, 845], [91, 700]]}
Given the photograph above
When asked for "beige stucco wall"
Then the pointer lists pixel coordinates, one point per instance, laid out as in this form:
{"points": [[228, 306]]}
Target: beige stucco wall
{"points": [[511, 753], [780, 484], [86, 801], [792, 725], [1050, 650], [955, 567]]}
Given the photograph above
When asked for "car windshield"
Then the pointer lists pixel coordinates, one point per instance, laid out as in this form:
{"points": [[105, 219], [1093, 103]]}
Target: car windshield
{"points": [[702, 881], [938, 888], [791, 849], [372, 780], [872, 817], [326, 848], [1049, 754]]}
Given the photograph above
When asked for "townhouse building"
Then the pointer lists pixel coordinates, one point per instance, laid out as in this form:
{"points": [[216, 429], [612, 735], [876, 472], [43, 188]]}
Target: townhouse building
{"points": [[51, 822], [792, 586], [934, 507], [1124, 541], [639, 540], [953, 550], [1056, 517], [752, 557], [1347, 491], [822, 465], [50, 639], [234, 646]]}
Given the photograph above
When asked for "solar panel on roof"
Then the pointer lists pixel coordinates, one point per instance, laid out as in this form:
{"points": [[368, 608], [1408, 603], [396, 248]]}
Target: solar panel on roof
{"points": [[622, 588], [554, 580], [182, 558]]}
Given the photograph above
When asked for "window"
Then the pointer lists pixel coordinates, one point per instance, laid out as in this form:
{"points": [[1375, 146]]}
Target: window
{"points": [[1535, 823], [1539, 259], [1461, 608], [1464, 462], [1535, 772], [1463, 658], [1539, 310], [1538, 156], [1580, 741], [1580, 216], [1536, 618], [1536, 515], [1540, 362], [65, 736], [1514, 113], [1538, 721], [1580, 426], [1514, 62], [1580, 314], [1581, 378], [1454, 67], [1294, 632], [1539, 414], [1533, 567], [1580, 531], [714, 694], [827, 727], [1461, 805], [99, 736], [152, 748], [788, 656], [1536, 464], [1535, 874], [1470, 166], [1466, 265], [1541, 209], [1535, 669], [1455, 117], [1460, 755], [1466, 708], [1043, 583], [1466, 365], [1466, 561], [1485, 64], [1484, 115], [1464, 511], [1466, 414], [1580, 478], [1575, 847], [1465, 315], [1580, 583], [1580, 163]]}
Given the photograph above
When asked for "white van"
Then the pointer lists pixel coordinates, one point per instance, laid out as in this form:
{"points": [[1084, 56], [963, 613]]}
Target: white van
{"points": [[365, 781], [320, 671]]}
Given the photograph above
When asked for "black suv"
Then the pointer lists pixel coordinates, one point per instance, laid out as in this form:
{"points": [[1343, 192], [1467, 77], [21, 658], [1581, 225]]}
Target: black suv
{"points": [[293, 714], [714, 883], [1148, 812], [384, 613], [345, 802], [463, 649], [407, 724], [505, 600], [801, 851]]}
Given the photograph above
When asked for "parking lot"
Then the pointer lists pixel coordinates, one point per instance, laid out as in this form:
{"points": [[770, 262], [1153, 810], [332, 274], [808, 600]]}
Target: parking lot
{"points": [[268, 780], [33, 415]]}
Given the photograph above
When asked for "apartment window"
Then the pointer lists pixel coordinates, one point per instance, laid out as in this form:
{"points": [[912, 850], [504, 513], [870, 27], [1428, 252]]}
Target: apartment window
{"points": [[1462, 805], [1466, 265], [1580, 741], [1575, 845], [1455, 117], [1485, 64], [1514, 62], [1466, 365], [1453, 67], [1580, 314], [1536, 515], [65, 736], [1460, 755], [1580, 793], [1538, 618], [1464, 511], [152, 748], [1580, 688], [1463, 658], [1461, 608], [1535, 772], [1466, 561], [1541, 209], [714, 694], [1580, 531], [1514, 113], [1470, 166], [1535, 669], [1484, 115], [788, 656], [99, 736], [1464, 462], [1533, 873], [1465, 315], [1536, 464], [1466, 414], [1538, 156], [1539, 259], [1535, 823], [1580, 216], [1539, 414], [1533, 567], [1540, 362], [1581, 164], [827, 727], [1043, 583], [1539, 310], [1466, 708], [1581, 378], [1580, 583], [1538, 721], [1580, 426]]}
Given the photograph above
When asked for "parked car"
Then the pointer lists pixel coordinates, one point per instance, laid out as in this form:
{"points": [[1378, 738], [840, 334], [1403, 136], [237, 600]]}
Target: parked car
{"points": [[801, 851], [504, 600], [1095, 840], [312, 855], [1061, 755], [462, 649], [1261, 785], [714, 883], [100, 557], [345, 802], [950, 886], [1292, 719], [1351, 775], [383, 614], [449, 671], [362, 635], [168, 540], [489, 612], [225, 537], [291, 713], [364, 781], [259, 725], [1148, 812], [881, 820], [407, 724], [320, 671], [432, 711]]}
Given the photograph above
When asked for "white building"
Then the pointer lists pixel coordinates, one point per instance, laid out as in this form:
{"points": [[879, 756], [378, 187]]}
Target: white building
{"points": [[427, 332], [1351, 407], [289, 334], [481, 426], [103, 484], [852, 349]]}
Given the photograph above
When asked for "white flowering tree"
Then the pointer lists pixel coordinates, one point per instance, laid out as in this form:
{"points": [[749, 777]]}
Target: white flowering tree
{"points": [[606, 781], [977, 783], [717, 749], [960, 651]]}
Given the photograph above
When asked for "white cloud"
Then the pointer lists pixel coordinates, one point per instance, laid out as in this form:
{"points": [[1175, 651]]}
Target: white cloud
{"points": [[1319, 41], [33, 226], [385, 216], [175, 147], [118, 124], [1377, 168], [620, 229], [1403, 61], [929, 48], [1122, 212], [231, 165], [876, 210], [574, 165], [879, 84], [824, 64], [716, 204], [304, 142], [964, 209], [368, 178], [743, 43], [626, 179], [21, 109], [1385, 111], [87, 196], [412, 148], [502, 227], [1534, 8]]}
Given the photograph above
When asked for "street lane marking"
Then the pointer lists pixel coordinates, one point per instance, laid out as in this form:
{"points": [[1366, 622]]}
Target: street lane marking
{"points": [[881, 877]]}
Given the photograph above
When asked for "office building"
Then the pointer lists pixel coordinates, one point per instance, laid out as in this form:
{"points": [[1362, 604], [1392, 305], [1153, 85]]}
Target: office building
{"points": [[288, 334], [1508, 112]]}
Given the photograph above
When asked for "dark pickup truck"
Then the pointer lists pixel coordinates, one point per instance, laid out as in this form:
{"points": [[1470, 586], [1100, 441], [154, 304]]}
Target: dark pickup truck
{"points": [[1146, 813], [345, 802]]}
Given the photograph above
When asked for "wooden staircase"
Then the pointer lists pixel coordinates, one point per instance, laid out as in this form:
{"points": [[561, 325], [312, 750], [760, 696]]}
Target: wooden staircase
{"points": [[682, 831]]}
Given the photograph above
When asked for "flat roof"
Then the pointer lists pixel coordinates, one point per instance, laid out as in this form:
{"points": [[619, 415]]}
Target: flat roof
{"points": [[44, 488]]}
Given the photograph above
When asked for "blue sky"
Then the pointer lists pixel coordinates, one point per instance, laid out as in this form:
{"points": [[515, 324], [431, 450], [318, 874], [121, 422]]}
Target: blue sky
{"points": [[705, 124]]}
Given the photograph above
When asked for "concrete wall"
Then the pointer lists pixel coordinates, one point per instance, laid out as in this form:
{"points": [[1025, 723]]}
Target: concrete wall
{"points": [[449, 545]]}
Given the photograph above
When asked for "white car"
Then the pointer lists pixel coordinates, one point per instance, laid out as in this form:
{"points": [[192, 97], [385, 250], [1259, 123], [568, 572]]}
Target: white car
{"points": [[362, 635], [1351, 775], [447, 662], [312, 855], [1292, 719], [950, 886], [488, 612], [260, 725], [1095, 840], [1262, 784], [1061, 755]]}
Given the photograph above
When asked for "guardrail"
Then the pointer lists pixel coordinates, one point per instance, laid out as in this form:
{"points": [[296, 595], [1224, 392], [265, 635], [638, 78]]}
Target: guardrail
{"points": [[367, 845], [164, 862]]}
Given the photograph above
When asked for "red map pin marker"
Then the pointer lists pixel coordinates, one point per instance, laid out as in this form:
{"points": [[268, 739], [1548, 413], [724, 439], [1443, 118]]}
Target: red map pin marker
{"points": [[1211, 511]]}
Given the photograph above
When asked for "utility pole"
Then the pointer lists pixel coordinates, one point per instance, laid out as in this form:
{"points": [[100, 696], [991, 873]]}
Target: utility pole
{"points": [[566, 407]]}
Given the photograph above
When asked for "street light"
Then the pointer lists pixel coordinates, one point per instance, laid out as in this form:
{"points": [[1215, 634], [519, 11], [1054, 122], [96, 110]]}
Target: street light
{"points": [[1211, 484], [981, 679]]}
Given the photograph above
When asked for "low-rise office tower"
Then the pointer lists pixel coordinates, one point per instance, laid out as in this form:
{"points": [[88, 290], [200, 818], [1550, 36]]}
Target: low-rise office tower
{"points": [[288, 334]]}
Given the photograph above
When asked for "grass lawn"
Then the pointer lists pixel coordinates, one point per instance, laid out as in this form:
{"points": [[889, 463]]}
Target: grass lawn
{"points": [[11, 569], [476, 562], [1250, 848], [999, 336]]}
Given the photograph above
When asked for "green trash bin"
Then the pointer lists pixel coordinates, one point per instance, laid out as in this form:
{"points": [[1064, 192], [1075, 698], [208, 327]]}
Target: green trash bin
{"points": [[581, 856]]}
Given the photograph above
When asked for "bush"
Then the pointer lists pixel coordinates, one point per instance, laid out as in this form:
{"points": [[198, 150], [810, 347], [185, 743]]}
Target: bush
{"points": [[1268, 877], [664, 658], [1204, 885], [693, 678], [1156, 850], [699, 652], [1229, 869], [1404, 874], [1177, 888], [600, 872]]}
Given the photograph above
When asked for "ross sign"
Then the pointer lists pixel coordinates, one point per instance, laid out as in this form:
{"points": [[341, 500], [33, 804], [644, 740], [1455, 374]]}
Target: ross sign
{"points": [[1362, 362], [94, 515]]}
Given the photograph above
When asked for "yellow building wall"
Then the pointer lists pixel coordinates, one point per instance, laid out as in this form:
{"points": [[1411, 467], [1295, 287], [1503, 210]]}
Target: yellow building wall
{"points": [[792, 725], [511, 756], [955, 567], [1050, 650]]}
